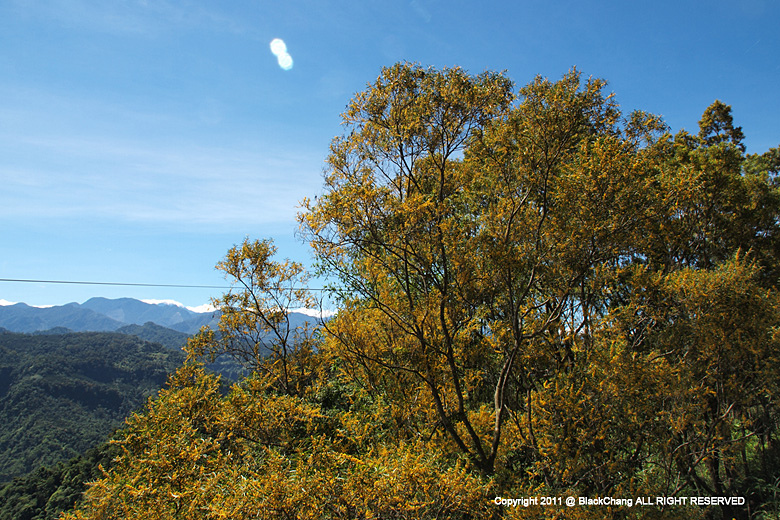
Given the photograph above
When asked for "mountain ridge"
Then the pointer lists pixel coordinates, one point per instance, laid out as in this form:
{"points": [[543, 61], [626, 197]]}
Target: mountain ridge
{"points": [[102, 315]]}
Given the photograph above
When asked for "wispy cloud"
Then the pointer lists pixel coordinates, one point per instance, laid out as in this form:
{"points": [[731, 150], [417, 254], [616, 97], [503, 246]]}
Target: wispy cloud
{"points": [[200, 186], [206, 307], [138, 17], [146, 178], [315, 313]]}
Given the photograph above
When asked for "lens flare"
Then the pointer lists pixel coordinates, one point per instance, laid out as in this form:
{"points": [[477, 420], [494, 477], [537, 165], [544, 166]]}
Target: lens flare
{"points": [[285, 61], [279, 49]]}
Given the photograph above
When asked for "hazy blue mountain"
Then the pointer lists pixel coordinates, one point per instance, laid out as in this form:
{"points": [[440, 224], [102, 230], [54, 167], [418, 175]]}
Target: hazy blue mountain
{"points": [[23, 318], [194, 324], [103, 314], [129, 310]]}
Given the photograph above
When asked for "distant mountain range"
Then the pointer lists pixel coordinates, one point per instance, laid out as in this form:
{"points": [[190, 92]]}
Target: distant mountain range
{"points": [[119, 315], [103, 315]]}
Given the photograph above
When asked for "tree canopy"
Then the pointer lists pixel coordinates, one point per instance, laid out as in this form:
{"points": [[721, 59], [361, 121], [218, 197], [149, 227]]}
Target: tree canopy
{"points": [[539, 295]]}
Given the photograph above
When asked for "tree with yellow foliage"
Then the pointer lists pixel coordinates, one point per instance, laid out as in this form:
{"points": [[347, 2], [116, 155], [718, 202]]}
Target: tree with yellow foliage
{"points": [[255, 327], [469, 242], [538, 296]]}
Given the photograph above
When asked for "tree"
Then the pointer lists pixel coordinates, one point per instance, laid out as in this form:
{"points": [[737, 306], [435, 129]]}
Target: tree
{"points": [[388, 227], [562, 195], [491, 291], [254, 324], [717, 126], [466, 234], [196, 453]]}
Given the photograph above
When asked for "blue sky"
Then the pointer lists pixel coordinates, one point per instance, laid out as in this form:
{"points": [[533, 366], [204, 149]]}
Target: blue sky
{"points": [[139, 140]]}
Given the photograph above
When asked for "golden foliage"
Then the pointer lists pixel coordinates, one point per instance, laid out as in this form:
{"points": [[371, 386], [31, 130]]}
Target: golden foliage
{"points": [[538, 297]]}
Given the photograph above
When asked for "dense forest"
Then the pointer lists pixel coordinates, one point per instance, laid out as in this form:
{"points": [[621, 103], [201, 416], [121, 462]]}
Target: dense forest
{"points": [[539, 296], [45, 493], [62, 394]]}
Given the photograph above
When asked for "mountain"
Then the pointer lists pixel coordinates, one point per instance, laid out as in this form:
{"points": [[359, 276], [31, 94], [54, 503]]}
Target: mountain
{"points": [[195, 323], [129, 310], [149, 331], [23, 318], [108, 315], [164, 323], [61, 394], [102, 314]]}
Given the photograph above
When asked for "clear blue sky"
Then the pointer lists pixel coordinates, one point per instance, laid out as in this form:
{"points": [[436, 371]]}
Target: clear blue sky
{"points": [[140, 139]]}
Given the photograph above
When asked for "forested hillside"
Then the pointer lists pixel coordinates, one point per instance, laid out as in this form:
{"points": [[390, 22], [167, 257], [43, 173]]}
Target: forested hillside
{"points": [[540, 296], [154, 333], [61, 394], [46, 492]]}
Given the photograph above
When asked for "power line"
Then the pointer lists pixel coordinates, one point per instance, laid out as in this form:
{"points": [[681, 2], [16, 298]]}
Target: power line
{"points": [[125, 284], [73, 282]]}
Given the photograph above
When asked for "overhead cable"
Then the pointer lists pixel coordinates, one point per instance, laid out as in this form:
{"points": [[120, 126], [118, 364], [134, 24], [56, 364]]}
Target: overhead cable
{"points": [[126, 284]]}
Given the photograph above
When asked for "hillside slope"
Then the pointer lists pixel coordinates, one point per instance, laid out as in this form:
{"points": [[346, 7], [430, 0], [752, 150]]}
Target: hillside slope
{"points": [[61, 394]]}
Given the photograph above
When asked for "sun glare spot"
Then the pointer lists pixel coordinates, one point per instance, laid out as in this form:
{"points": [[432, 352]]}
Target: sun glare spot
{"points": [[278, 46], [285, 61], [279, 49]]}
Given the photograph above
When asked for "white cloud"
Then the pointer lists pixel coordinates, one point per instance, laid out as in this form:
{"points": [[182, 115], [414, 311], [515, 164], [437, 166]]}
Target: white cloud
{"points": [[315, 313], [206, 307], [5, 303], [163, 302]]}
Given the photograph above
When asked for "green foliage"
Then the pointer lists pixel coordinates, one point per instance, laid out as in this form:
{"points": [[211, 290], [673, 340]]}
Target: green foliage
{"points": [[48, 491], [63, 394]]}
